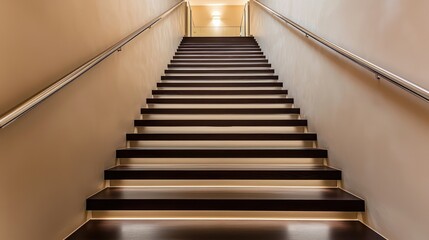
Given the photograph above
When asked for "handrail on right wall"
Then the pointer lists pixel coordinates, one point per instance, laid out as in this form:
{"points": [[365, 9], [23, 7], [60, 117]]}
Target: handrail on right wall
{"points": [[379, 71]]}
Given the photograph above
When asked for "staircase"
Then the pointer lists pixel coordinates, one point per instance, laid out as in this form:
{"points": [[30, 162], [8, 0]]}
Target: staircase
{"points": [[222, 153]]}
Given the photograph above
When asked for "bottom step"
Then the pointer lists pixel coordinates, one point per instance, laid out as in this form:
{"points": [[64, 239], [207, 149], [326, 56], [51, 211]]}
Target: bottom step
{"points": [[223, 230]]}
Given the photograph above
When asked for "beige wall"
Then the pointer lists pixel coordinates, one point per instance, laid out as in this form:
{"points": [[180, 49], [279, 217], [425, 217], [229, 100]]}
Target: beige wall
{"points": [[53, 158], [230, 20], [376, 133]]}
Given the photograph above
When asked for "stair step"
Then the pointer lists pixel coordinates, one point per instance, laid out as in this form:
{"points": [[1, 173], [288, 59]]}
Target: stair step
{"points": [[226, 40], [224, 49], [225, 199], [221, 153], [257, 65], [218, 71], [223, 230], [242, 84], [222, 137], [220, 61], [221, 123], [218, 92], [219, 100], [219, 53], [226, 173], [220, 57], [204, 45], [221, 77], [220, 111], [219, 45]]}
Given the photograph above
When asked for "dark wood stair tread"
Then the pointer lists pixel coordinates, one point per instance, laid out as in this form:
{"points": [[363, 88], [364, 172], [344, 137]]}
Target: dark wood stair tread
{"points": [[216, 45], [220, 61], [220, 111], [220, 100], [222, 136], [223, 230], [221, 123], [225, 173], [230, 84], [221, 153], [205, 65], [219, 57], [218, 71], [224, 49], [219, 53], [219, 92], [222, 77], [225, 199]]}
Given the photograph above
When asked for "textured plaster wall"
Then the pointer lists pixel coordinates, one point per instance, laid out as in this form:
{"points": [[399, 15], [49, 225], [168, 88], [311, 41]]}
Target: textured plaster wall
{"points": [[53, 158], [375, 132]]}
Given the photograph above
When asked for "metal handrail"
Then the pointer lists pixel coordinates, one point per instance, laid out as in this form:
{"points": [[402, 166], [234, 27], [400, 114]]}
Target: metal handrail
{"points": [[36, 99], [379, 71]]}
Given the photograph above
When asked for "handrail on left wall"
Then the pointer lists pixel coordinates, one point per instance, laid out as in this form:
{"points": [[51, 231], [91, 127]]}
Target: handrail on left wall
{"points": [[25, 106]]}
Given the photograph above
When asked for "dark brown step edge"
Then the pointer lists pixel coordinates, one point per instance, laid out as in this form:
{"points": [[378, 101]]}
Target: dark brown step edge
{"points": [[217, 111], [222, 77], [133, 173], [219, 92], [219, 45], [221, 123], [245, 43], [219, 100], [207, 61], [215, 39], [221, 153], [218, 71], [221, 137], [220, 57], [244, 84], [220, 53], [203, 49], [225, 230], [218, 41], [256, 65], [326, 200]]}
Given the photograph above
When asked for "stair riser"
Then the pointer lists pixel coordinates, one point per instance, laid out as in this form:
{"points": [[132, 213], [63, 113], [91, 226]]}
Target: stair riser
{"points": [[221, 175], [226, 53], [236, 161], [222, 123], [221, 153], [226, 205], [219, 61], [221, 77], [223, 137], [214, 57], [222, 143], [205, 65], [214, 105], [223, 71], [243, 117], [221, 81], [223, 216], [227, 111], [204, 46], [208, 129], [220, 88], [223, 101], [224, 183], [222, 92]]}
